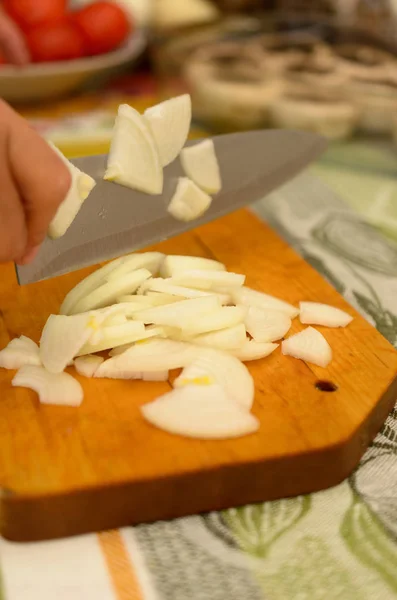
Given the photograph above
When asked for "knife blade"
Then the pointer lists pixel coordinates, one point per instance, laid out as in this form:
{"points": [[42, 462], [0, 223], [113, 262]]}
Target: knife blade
{"points": [[115, 220]]}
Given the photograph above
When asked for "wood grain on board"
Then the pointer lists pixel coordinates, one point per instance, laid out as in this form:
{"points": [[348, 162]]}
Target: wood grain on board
{"points": [[66, 471]]}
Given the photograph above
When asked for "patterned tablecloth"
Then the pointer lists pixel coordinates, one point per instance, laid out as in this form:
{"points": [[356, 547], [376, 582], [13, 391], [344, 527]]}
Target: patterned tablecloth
{"points": [[337, 544]]}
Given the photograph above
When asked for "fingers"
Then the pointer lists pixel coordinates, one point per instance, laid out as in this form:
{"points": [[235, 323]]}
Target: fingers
{"points": [[12, 41], [13, 230], [40, 181]]}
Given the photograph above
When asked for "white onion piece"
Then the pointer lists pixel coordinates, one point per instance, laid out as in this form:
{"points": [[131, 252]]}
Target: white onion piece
{"points": [[63, 336], [52, 388], [201, 165], [216, 367], [116, 335], [152, 355], [225, 339], [175, 264], [250, 297], [108, 292], [87, 365], [87, 285], [209, 280], [189, 202], [151, 261], [149, 300], [169, 123], [172, 314], [266, 325], [223, 318], [314, 313], [252, 350], [166, 286], [200, 412], [133, 156], [19, 352], [116, 320], [155, 376], [308, 345], [80, 188]]}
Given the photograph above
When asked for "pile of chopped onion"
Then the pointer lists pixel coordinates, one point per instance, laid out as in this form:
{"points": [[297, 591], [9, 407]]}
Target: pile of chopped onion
{"points": [[153, 314]]}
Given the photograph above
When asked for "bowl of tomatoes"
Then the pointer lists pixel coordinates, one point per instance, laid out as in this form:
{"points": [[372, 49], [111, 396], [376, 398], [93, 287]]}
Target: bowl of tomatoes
{"points": [[69, 48]]}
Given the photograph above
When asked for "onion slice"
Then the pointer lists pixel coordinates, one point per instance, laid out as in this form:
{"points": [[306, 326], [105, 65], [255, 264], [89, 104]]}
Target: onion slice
{"points": [[133, 157], [173, 314], [167, 287], [315, 313], [250, 297], [253, 350], [19, 352], [150, 261], [216, 367], [189, 202], [200, 412], [225, 339], [209, 280], [308, 345], [52, 388], [201, 165], [87, 365], [223, 318], [175, 264], [169, 123], [266, 325]]}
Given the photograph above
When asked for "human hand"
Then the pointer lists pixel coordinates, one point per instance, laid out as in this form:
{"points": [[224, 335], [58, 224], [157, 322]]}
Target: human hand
{"points": [[12, 43], [34, 181]]}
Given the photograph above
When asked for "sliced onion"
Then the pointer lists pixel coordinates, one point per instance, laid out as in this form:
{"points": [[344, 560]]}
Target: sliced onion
{"points": [[81, 187], [116, 335], [172, 314], [166, 286], [52, 388], [149, 300], [153, 355], [200, 412], [19, 352], [87, 365], [226, 339], [314, 313], [223, 318], [250, 297], [133, 157], [201, 165], [175, 264], [216, 367], [209, 280], [308, 345], [252, 350], [169, 123], [189, 202], [151, 261], [108, 292], [266, 325]]}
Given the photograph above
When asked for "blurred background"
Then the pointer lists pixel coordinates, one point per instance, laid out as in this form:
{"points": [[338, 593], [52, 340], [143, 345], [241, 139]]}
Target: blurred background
{"points": [[328, 66]]}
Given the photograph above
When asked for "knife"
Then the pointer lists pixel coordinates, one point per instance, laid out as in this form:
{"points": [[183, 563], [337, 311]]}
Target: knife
{"points": [[115, 220]]}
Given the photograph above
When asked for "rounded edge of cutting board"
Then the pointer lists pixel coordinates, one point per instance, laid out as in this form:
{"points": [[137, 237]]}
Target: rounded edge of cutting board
{"points": [[27, 519]]}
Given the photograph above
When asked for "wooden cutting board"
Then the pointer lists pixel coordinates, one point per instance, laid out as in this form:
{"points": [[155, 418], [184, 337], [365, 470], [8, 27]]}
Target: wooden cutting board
{"points": [[66, 471]]}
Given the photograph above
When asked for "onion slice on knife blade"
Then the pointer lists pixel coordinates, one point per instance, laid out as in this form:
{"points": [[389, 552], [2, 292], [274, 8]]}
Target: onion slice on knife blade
{"points": [[189, 202], [201, 165], [52, 388], [308, 345]]}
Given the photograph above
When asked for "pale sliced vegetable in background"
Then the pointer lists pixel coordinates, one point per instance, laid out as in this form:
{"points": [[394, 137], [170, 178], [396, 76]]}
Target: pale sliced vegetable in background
{"points": [[201, 165], [266, 325], [172, 314], [87, 365], [169, 123], [133, 157], [108, 292], [217, 367], [250, 297], [62, 338], [209, 280], [315, 313], [153, 355], [151, 261], [155, 376], [225, 339], [223, 318], [200, 412], [252, 350], [308, 345], [80, 188], [174, 265], [19, 352], [52, 388], [189, 202]]}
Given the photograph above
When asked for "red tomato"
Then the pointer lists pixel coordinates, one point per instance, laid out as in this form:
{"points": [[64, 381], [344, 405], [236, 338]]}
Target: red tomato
{"points": [[3, 60], [32, 13], [104, 25], [56, 41]]}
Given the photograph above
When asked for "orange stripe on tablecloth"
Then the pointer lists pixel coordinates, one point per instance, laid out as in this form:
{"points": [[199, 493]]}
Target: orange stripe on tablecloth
{"points": [[121, 569]]}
